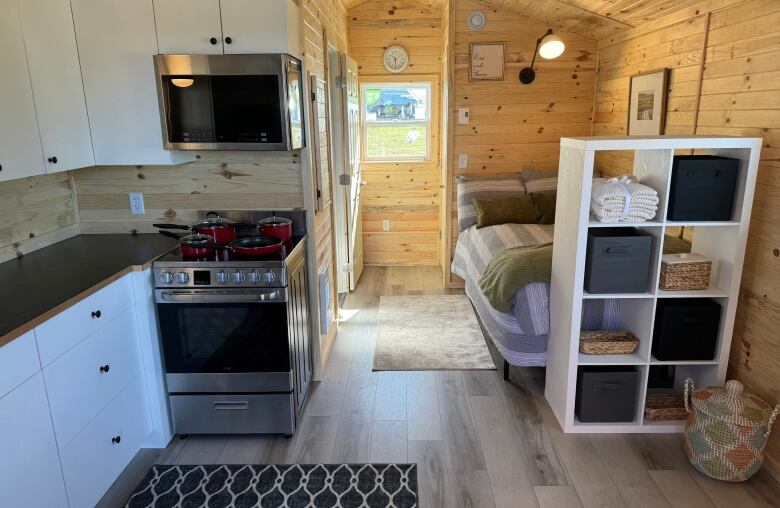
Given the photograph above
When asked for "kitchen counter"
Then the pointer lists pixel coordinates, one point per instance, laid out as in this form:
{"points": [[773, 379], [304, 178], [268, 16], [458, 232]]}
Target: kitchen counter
{"points": [[43, 283]]}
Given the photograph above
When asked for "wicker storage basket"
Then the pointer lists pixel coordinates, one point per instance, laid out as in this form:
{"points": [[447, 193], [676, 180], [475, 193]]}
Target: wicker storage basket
{"points": [[664, 406], [681, 272], [726, 430], [608, 342]]}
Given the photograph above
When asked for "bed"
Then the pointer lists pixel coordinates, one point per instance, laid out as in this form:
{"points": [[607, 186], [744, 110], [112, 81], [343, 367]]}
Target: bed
{"points": [[520, 335]]}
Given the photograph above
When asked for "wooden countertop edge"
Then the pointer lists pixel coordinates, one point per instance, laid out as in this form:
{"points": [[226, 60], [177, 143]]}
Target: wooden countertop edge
{"points": [[21, 330]]}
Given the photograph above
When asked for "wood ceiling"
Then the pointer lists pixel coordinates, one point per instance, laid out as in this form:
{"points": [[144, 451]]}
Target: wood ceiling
{"points": [[595, 19]]}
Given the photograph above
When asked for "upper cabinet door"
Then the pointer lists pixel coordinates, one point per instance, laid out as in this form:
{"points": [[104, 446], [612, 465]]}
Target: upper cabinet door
{"points": [[50, 41], [260, 26], [116, 41], [20, 143], [188, 27]]}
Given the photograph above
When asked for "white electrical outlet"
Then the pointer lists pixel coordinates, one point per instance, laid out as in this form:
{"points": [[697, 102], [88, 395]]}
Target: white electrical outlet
{"points": [[463, 161], [463, 115], [137, 203], [385, 225]]}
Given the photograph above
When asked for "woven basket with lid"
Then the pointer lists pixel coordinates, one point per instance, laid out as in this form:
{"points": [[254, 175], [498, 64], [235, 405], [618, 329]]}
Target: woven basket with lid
{"points": [[726, 430]]}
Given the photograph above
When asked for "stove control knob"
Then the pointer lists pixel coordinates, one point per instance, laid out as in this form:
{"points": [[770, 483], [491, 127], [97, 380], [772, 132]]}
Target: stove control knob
{"points": [[166, 277], [254, 277], [182, 278], [239, 277], [269, 277], [222, 277]]}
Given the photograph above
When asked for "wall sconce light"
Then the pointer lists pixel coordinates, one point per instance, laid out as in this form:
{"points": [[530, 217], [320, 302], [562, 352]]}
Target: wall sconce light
{"points": [[548, 46]]}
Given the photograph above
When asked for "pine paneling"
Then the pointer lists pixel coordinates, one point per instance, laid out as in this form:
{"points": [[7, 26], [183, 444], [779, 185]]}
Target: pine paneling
{"points": [[514, 125], [740, 95], [406, 194]]}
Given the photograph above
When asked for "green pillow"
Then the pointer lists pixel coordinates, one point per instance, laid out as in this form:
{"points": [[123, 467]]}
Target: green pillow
{"points": [[505, 210], [544, 206]]}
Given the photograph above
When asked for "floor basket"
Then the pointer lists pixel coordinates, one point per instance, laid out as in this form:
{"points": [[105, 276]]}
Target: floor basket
{"points": [[608, 342], [664, 406]]}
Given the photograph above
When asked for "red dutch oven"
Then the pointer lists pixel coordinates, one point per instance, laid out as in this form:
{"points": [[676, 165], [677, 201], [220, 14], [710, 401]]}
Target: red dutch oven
{"points": [[193, 246], [276, 227], [221, 231]]}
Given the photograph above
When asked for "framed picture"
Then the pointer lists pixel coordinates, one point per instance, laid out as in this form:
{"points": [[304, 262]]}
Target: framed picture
{"points": [[486, 60], [647, 103]]}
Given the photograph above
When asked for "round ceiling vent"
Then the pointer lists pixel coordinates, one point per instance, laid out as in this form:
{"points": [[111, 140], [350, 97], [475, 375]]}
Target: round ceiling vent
{"points": [[476, 20]]}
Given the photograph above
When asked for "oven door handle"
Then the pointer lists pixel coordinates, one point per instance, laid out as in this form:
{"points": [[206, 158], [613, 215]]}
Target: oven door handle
{"points": [[264, 296]]}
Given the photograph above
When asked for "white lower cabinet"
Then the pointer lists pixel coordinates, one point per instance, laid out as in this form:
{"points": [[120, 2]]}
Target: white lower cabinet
{"points": [[30, 474], [99, 453]]}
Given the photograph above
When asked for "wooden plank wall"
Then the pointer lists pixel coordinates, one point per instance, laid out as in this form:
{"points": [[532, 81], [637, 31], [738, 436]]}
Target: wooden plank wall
{"points": [[35, 208], [406, 194], [740, 95], [514, 125]]}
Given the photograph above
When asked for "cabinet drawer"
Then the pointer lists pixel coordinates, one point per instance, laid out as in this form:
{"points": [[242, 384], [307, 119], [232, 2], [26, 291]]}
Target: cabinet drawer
{"points": [[82, 381], [18, 362], [94, 459], [72, 325]]}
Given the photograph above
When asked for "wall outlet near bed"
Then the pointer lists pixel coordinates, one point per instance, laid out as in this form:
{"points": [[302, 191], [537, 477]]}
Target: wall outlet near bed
{"points": [[385, 225], [463, 161]]}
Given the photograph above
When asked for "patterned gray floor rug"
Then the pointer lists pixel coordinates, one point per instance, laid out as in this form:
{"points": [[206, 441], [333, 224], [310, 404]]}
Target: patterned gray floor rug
{"points": [[438, 332], [288, 485]]}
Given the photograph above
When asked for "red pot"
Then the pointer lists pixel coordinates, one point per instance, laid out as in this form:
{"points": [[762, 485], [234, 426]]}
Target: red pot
{"points": [[276, 227], [221, 231], [256, 246], [196, 246]]}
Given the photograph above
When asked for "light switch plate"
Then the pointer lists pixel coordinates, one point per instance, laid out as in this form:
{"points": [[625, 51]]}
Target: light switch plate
{"points": [[463, 161], [137, 203], [385, 225], [463, 115]]}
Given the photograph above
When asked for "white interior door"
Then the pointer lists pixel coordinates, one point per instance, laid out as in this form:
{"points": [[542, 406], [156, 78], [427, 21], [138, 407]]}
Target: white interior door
{"points": [[353, 182], [338, 145]]}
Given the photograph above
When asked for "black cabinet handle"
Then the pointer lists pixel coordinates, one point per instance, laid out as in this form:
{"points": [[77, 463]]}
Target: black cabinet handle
{"points": [[105, 368], [228, 40], [53, 160], [213, 41], [1, 167], [96, 314], [116, 439]]}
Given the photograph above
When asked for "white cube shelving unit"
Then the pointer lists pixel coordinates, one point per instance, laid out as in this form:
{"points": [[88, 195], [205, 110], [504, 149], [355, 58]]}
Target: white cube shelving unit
{"points": [[723, 242]]}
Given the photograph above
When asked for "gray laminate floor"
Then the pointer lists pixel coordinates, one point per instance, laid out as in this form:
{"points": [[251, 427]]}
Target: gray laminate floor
{"points": [[478, 441]]}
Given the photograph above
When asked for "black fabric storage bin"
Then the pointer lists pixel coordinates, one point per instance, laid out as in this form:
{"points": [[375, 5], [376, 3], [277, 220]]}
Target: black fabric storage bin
{"points": [[686, 328], [606, 394], [702, 188], [617, 260]]}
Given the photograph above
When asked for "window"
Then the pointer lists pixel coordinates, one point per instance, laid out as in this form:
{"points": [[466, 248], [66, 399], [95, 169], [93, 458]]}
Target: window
{"points": [[396, 121]]}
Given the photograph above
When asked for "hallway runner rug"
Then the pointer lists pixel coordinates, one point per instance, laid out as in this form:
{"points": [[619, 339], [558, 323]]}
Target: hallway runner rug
{"points": [[288, 485], [429, 333]]}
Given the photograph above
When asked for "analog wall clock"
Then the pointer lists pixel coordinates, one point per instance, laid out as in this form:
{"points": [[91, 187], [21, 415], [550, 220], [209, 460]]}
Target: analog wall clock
{"points": [[396, 59]]}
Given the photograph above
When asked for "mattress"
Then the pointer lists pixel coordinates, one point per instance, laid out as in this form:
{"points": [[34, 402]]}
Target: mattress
{"points": [[520, 336]]}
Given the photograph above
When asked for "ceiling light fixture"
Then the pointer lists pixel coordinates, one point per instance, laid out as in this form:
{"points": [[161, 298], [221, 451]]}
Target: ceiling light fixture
{"points": [[548, 46]]}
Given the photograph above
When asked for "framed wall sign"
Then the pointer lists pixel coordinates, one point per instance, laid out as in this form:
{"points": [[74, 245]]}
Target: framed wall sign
{"points": [[486, 60], [647, 103]]}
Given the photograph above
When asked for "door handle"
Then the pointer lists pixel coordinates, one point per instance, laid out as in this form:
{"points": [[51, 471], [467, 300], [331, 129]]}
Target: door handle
{"points": [[231, 406]]}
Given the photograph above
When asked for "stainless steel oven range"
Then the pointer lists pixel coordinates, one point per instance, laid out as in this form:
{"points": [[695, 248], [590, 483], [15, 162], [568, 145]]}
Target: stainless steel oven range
{"points": [[235, 340]]}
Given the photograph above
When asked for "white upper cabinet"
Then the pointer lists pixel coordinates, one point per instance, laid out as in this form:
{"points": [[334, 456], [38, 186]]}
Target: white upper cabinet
{"points": [[188, 26], [116, 42], [20, 143], [228, 26], [53, 60]]}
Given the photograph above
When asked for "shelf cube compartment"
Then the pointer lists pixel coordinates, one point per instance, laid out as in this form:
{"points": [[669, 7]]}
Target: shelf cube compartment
{"points": [[606, 394], [686, 329], [618, 260], [702, 188]]}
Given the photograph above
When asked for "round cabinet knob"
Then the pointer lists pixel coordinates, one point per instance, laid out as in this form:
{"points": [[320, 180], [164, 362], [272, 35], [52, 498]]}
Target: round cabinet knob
{"points": [[105, 368], [53, 160], [116, 439], [269, 277], [182, 278], [228, 40], [166, 277], [254, 277], [96, 314], [222, 277], [238, 277], [213, 41]]}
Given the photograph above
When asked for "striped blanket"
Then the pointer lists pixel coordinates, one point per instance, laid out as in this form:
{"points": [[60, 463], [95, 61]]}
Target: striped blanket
{"points": [[520, 336]]}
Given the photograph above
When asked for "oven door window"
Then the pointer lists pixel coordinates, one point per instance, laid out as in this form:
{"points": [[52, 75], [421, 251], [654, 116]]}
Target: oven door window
{"points": [[190, 114], [247, 109], [224, 338]]}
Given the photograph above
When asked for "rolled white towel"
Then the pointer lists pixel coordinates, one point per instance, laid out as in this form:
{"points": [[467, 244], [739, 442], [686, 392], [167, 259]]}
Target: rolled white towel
{"points": [[616, 188], [623, 200]]}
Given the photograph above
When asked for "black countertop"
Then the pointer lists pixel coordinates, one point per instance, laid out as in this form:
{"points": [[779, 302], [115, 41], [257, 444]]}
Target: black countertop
{"points": [[43, 281]]}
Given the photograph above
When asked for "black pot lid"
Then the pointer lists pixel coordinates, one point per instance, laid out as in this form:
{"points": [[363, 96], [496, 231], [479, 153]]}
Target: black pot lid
{"points": [[197, 240]]}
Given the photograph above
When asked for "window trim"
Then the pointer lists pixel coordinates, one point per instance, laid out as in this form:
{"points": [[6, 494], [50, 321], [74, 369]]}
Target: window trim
{"points": [[428, 123]]}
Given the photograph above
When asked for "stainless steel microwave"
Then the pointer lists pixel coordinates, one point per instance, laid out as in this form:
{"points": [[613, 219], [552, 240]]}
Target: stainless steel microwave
{"points": [[230, 102]]}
